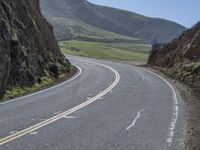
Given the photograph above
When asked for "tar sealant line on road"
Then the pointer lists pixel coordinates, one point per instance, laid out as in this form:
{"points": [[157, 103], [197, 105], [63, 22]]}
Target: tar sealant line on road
{"points": [[3, 120], [70, 117], [175, 112], [135, 120], [33, 133]]}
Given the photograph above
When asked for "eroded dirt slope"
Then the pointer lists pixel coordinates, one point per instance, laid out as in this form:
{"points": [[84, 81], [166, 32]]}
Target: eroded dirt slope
{"points": [[180, 59]]}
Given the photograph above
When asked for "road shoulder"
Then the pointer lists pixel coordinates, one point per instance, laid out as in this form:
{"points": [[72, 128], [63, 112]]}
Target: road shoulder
{"points": [[56, 82], [192, 115]]}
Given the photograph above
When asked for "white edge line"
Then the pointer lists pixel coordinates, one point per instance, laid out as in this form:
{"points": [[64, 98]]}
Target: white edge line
{"points": [[174, 119], [45, 90]]}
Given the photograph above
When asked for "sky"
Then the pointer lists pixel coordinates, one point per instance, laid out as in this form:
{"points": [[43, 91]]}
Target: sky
{"points": [[184, 12]]}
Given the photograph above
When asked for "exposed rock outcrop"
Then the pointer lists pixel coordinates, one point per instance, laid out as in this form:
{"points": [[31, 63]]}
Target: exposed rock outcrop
{"points": [[180, 58], [28, 49], [181, 51]]}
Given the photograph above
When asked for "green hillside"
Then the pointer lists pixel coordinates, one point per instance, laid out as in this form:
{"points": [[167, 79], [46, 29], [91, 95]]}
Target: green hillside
{"points": [[112, 51], [66, 28], [80, 18]]}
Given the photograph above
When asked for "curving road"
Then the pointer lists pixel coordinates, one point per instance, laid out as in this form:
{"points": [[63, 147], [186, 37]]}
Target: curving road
{"points": [[106, 106]]}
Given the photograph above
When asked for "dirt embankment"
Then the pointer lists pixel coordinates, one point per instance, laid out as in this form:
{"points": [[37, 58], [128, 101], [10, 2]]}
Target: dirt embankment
{"points": [[28, 50], [180, 60]]}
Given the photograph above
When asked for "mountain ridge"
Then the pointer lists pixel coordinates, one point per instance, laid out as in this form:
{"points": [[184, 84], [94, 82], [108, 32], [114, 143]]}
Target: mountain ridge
{"points": [[111, 19]]}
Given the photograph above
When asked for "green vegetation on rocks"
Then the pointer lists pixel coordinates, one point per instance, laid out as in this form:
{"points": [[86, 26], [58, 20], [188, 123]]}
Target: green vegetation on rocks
{"points": [[19, 91], [191, 70], [26, 55]]}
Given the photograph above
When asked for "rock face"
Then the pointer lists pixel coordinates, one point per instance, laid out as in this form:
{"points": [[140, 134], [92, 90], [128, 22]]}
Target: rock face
{"points": [[28, 50], [181, 51], [180, 58]]}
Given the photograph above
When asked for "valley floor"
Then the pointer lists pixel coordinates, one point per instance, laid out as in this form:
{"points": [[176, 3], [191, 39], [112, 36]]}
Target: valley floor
{"points": [[110, 51]]}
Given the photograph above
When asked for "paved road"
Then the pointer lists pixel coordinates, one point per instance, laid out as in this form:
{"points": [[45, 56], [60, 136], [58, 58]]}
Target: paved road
{"points": [[106, 106]]}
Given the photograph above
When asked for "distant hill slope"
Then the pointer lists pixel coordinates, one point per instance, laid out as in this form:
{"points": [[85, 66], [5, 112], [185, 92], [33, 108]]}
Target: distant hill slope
{"points": [[79, 17]]}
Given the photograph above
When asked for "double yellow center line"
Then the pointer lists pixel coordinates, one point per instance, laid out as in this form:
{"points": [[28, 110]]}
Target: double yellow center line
{"points": [[35, 127]]}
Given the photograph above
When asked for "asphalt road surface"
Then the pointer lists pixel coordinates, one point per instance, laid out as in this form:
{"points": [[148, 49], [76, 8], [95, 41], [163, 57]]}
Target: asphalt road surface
{"points": [[105, 106]]}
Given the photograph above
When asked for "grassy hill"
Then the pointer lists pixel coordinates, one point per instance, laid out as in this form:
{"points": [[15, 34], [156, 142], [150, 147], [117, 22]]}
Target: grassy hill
{"points": [[66, 28], [111, 51], [72, 18]]}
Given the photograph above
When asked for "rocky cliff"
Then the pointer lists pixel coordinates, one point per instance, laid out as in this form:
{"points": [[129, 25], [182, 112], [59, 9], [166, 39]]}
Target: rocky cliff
{"points": [[28, 50], [181, 57], [181, 51]]}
